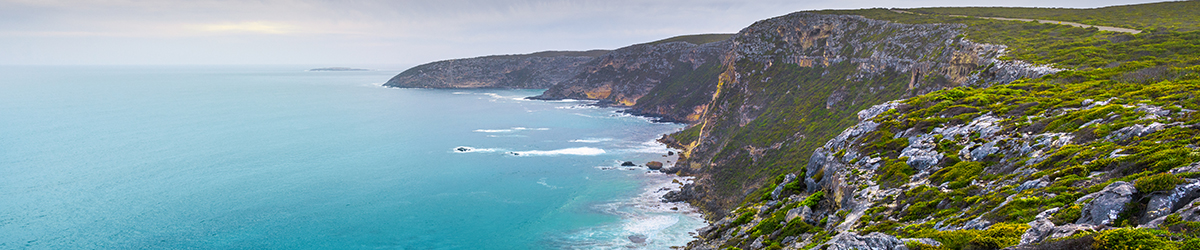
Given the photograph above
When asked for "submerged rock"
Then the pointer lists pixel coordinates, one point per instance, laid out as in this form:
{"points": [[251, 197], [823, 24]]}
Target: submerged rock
{"points": [[638, 238], [654, 165]]}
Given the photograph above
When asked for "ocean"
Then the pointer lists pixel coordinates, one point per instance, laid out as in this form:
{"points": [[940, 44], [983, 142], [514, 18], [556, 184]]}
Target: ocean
{"points": [[277, 157]]}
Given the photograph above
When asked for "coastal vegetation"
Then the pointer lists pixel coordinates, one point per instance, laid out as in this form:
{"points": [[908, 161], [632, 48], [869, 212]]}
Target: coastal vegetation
{"points": [[1124, 111], [1164, 16]]}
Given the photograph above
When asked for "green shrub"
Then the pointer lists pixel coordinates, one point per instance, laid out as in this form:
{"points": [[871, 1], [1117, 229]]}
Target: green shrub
{"points": [[742, 219], [953, 239], [913, 245], [795, 186], [1131, 239], [1158, 182], [920, 210], [1005, 234], [894, 173], [811, 200], [887, 227], [1067, 215], [797, 226], [995, 237], [1191, 244], [959, 175]]}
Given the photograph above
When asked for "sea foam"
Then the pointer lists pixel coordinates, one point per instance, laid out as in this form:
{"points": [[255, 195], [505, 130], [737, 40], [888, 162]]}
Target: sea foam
{"points": [[565, 151], [509, 130], [591, 140]]}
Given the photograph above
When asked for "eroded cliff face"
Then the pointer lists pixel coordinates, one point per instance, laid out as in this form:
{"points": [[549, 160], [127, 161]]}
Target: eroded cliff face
{"points": [[680, 75], [791, 83], [530, 71]]}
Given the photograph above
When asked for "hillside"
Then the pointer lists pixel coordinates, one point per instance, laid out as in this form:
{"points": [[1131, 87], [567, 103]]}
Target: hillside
{"points": [[527, 71], [700, 39], [1099, 157], [1179, 16]]}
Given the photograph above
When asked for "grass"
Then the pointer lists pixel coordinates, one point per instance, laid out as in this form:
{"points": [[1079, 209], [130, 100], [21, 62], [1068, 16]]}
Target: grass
{"points": [[696, 39], [1162, 16]]}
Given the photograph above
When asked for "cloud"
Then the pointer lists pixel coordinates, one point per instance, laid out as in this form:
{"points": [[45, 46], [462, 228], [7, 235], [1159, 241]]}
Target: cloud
{"points": [[252, 27], [371, 31]]}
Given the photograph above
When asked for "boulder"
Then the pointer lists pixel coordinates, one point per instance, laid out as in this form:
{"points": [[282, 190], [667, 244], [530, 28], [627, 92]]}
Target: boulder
{"points": [[654, 165], [628, 164], [1194, 167], [683, 194], [1031, 184], [876, 110], [1163, 204], [921, 152], [1107, 204], [983, 151], [1137, 130], [872, 241], [1041, 229], [1190, 210], [802, 212], [758, 242], [789, 178]]}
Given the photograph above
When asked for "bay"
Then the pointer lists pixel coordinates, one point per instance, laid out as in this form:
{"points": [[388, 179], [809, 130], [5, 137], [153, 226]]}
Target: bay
{"points": [[276, 157]]}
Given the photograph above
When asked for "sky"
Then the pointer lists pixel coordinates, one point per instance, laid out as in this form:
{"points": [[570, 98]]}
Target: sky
{"points": [[363, 33]]}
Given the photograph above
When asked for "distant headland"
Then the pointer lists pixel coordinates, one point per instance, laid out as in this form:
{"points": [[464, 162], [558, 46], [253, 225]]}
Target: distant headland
{"points": [[338, 69]]}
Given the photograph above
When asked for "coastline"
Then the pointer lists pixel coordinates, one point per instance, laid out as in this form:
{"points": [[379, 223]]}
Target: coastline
{"points": [[645, 220], [656, 184], [652, 221]]}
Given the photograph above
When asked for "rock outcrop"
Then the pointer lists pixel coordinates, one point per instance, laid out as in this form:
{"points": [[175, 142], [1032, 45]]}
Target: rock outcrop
{"points": [[1106, 205], [874, 241], [679, 77], [822, 69]]}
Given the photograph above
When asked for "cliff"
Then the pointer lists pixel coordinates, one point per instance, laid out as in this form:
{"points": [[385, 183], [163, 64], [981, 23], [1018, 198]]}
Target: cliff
{"points": [[790, 83], [1100, 157], [682, 76], [1052, 163], [528, 71]]}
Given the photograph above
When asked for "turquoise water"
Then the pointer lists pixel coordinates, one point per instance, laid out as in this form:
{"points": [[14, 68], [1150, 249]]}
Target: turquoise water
{"points": [[275, 157]]}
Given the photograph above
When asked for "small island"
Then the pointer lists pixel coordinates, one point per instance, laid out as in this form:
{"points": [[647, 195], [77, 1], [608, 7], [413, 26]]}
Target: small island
{"points": [[338, 69]]}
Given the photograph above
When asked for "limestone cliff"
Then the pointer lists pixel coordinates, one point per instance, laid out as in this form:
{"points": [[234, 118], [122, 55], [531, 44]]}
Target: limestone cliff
{"points": [[528, 71], [790, 83], [625, 76]]}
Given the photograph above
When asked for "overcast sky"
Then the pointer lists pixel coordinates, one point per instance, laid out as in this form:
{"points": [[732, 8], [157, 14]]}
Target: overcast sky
{"points": [[363, 33]]}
